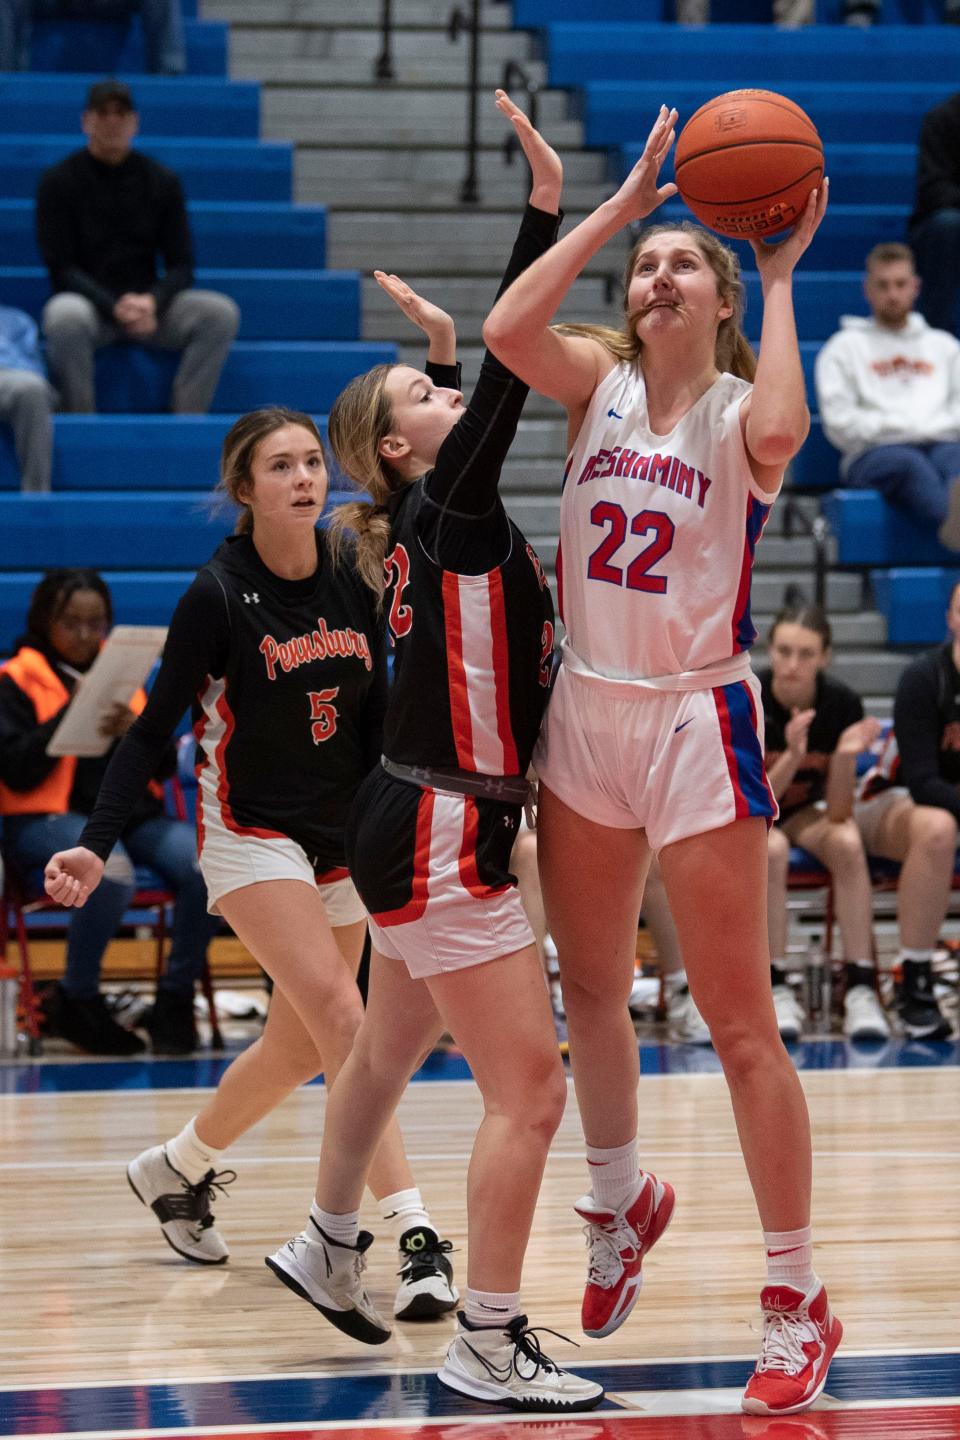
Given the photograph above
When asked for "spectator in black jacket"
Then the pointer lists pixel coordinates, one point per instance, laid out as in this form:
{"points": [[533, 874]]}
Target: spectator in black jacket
{"points": [[935, 222], [104, 216]]}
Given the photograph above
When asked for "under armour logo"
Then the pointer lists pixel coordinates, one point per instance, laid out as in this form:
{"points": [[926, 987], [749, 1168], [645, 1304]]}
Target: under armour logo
{"points": [[612, 415], [252, 599], [510, 822]]}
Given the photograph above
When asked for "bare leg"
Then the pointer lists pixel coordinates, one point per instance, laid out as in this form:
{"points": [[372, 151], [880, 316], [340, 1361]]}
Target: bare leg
{"points": [[285, 927], [924, 839], [659, 917], [593, 886], [279, 1062], [718, 884], [838, 846]]}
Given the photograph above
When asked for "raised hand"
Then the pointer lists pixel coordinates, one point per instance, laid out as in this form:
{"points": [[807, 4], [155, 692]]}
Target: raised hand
{"points": [[545, 164], [641, 193], [778, 260], [71, 875], [435, 323], [796, 731]]}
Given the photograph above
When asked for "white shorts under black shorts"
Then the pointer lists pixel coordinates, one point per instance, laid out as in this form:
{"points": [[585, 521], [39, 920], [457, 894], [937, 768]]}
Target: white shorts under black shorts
{"points": [[674, 763], [229, 861]]}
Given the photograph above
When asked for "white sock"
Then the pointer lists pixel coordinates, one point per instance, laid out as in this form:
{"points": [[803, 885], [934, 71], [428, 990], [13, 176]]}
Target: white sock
{"points": [[404, 1210], [188, 1154], [917, 956], [615, 1174], [486, 1307], [790, 1258], [344, 1229]]}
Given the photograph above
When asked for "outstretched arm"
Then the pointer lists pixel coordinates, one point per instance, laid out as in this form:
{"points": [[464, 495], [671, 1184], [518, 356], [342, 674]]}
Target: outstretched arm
{"points": [[565, 367], [435, 323], [774, 417]]}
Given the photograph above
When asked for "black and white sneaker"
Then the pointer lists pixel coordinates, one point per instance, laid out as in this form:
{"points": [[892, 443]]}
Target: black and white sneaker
{"points": [[920, 1015], [186, 1220], [426, 1276], [329, 1276], [507, 1367]]}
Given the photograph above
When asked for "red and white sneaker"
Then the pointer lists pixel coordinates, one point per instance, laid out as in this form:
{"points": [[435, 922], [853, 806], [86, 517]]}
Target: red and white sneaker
{"points": [[800, 1335], [617, 1241]]}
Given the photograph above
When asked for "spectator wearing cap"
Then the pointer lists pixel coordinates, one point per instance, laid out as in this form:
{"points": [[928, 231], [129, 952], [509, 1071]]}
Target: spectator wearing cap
{"points": [[105, 214], [162, 28], [26, 400]]}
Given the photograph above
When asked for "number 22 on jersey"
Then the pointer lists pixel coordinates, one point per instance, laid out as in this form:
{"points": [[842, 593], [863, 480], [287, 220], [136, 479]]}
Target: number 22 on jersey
{"points": [[640, 573]]}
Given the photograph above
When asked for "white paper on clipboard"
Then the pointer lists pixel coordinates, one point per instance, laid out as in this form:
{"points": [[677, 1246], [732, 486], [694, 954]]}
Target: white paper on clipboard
{"points": [[117, 673]]}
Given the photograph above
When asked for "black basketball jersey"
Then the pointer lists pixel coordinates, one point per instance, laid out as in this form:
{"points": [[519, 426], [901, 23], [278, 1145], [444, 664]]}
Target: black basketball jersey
{"points": [[474, 644], [287, 680]]}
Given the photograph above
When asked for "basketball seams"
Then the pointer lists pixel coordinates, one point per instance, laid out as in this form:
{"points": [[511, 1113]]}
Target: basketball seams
{"points": [[753, 199], [745, 145]]}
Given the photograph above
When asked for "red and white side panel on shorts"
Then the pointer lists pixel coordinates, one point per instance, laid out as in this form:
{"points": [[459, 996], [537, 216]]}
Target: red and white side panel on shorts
{"points": [[452, 920], [479, 672]]}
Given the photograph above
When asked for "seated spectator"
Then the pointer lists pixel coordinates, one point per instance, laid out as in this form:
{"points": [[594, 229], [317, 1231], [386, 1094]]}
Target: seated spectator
{"points": [[44, 801], [815, 730], [162, 28], [26, 400], [104, 215], [926, 718], [888, 389], [935, 222]]}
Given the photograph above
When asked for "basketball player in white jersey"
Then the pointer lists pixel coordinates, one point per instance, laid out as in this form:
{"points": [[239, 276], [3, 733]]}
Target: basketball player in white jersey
{"points": [[653, 741]]}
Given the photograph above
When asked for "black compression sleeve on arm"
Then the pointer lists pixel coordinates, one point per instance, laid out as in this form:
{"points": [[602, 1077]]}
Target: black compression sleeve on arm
{"points": [[196, 647], [467, 472], [917, 725], [448, 377]]}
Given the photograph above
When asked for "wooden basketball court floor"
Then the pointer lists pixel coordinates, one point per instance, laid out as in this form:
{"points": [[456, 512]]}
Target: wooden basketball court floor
{"points": [[105, 1332]]}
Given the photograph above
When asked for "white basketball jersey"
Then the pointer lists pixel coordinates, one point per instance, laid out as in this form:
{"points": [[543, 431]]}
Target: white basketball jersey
{"points": [[657, 533]]}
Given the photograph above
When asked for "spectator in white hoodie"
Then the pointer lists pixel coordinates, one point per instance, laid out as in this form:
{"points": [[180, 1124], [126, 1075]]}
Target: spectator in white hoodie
{"points": [[888, 390]]}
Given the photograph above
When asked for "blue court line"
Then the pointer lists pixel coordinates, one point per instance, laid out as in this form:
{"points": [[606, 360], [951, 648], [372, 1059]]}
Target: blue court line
{"points": [[412, 1396], [205, 1071]]}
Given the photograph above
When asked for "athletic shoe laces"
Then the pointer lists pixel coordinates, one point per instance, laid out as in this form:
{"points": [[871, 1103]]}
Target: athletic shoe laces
{"points": [[526, 1344], [202, 1194], [609, 1245], [423, 1263], [784, 1337]]}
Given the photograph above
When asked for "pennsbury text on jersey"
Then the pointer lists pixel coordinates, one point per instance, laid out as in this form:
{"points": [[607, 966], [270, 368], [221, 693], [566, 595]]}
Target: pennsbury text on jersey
{"points": [[318, 644]]}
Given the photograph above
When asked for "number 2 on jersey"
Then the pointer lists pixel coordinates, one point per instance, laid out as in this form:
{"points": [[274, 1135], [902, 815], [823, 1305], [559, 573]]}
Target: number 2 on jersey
{"points": [[397, 563], [608, 513]]}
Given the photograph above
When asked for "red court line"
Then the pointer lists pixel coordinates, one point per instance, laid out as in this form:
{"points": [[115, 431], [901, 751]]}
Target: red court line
{"points": [[933, 1422]]}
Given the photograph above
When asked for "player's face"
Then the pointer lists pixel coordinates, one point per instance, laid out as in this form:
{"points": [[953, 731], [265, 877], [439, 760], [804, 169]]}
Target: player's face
{"points": [[891, 290], [674, 288], [79, 628], [423, 416], [110, 130], [289, 478], [796, 655]]}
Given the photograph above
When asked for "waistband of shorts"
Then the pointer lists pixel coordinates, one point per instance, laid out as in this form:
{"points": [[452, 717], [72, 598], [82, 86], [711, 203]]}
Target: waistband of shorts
{"points": [[720, 672], [513, 789]]}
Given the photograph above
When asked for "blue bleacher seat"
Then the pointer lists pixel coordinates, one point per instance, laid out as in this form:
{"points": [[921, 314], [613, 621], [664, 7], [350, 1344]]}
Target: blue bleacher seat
{"points": [[538, 14], [817, 465], [103, 48], [914, 602], [869, 531], [181, 105], [210, 168], [226, 234], [274, 304]]}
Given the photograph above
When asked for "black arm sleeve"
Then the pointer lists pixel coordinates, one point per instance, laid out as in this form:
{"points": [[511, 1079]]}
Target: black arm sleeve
{"points": [[24, 762], [175, 246], [467, 473], [448, 377], [55, 240], [196, 647], [917, 725]]}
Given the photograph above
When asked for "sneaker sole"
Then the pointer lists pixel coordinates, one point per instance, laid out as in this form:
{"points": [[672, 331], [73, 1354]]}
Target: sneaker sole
{"points": [[757, 1407], [427, 1307], [184, 1254], [943, 1031], [490, 1394], [665, 1210], [349, 1321]]}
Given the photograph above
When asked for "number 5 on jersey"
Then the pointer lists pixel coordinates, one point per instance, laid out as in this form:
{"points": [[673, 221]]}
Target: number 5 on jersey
{"points": [[323, 713]]}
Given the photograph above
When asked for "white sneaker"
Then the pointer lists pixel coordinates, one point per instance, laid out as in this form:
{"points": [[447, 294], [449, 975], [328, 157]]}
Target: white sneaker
{"points": [[686, 1023], [329, 1276], [863, 1017], [789, 1011], [186, 1220], [507, 1367], [426, 1276]]}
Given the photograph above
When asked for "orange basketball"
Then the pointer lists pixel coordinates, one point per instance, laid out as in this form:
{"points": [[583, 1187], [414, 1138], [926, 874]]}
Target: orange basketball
{"points": [[747, 161]]}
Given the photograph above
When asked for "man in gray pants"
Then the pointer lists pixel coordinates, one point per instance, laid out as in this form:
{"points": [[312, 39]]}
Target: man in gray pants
{"points": [[26, 400], [104, 216]]}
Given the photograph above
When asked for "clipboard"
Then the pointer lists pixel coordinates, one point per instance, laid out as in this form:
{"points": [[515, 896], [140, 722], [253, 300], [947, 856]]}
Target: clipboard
{"points": [[117, 673]]}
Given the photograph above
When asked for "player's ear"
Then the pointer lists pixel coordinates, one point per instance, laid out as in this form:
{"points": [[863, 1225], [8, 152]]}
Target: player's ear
{"points": [[394, 448]]}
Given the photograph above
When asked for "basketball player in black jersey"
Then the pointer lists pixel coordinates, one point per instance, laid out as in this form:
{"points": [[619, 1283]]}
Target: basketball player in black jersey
{"points": [[282, 656], [430, 834]]}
